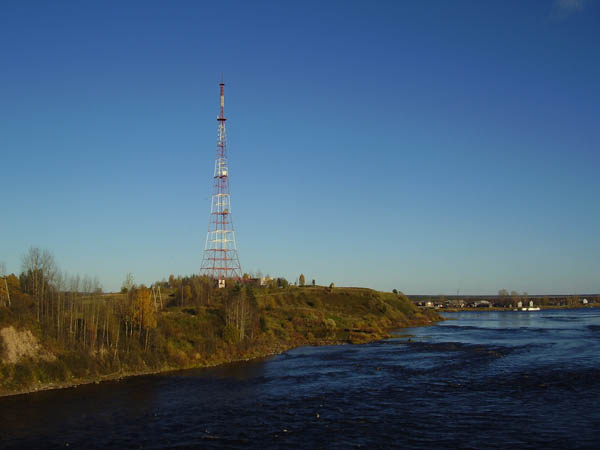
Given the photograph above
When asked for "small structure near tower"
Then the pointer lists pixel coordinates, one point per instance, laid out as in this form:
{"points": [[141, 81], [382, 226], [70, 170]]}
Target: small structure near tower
{"points": [[220, 260]]}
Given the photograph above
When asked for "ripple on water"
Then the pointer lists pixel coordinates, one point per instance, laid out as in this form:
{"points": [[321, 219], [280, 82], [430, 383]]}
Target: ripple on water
{"points": [[513, 382]]}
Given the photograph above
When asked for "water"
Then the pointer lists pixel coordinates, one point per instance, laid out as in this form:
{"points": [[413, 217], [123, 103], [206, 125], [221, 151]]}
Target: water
{"points": [[481, 380]]}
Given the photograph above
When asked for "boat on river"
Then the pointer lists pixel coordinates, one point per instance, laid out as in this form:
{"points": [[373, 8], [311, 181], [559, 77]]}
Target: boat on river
{"points": [[520, 307]]}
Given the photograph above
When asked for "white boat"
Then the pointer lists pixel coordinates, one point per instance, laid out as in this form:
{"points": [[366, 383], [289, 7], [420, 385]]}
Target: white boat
{"points": [[531, 307]]}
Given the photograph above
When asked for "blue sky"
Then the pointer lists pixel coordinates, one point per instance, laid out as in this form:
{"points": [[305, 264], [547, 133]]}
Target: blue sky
{"points": [[425, 146]]}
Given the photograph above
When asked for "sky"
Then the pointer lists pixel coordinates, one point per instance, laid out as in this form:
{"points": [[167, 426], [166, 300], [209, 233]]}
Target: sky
{"points": [[432, 147]]}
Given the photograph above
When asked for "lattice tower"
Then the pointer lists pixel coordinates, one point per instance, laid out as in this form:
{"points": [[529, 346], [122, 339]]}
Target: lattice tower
{"points": [[221, 260]]}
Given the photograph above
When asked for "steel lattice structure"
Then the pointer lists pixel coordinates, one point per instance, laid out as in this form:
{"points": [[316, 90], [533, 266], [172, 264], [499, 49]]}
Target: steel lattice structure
{"points": [[221, 260]]}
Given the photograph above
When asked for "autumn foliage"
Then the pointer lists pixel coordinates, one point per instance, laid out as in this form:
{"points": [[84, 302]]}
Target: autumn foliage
{"points": [[179, 323]]}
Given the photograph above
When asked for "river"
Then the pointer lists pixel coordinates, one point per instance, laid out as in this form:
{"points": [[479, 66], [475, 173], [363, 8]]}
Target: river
{"points": [[477, 380]]}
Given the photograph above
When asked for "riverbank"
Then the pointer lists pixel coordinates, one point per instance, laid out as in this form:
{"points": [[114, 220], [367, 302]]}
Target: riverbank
{"points": [[451, 384], [186, 338], [368, 337]]}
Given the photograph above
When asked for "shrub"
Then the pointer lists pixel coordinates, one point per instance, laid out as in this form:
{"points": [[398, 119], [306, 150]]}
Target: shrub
{"points": [[263, 324], [22, 375], [230, 334]]}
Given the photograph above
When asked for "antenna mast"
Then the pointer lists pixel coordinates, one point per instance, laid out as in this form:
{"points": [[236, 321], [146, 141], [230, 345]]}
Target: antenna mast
{"points": [[221, 260]]}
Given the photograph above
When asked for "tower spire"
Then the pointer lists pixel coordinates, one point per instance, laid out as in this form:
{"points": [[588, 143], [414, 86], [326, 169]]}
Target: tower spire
{"points": [[222, 86], [221, 260]]}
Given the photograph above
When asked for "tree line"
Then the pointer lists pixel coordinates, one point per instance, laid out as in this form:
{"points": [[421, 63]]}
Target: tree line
{"points": [[73, 311]]}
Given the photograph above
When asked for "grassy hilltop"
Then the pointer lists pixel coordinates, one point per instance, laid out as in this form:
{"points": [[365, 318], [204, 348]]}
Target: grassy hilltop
{"points": [[51, 337]]}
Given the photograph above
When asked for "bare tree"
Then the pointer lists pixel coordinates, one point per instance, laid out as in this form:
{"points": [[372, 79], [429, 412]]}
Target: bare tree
{"points": [[4, 286], [128, 284], [49, 267], [74, 282], [238, 313], [59, 285], [96, 286], [31, 264], [40, 269], [87, 284]]}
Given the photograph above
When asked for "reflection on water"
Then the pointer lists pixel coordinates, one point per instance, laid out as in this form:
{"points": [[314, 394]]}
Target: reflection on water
{"points": [[486, 379]]}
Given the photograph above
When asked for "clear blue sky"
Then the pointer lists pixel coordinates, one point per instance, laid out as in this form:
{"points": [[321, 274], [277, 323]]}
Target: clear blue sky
{"points": [[425, 146]]}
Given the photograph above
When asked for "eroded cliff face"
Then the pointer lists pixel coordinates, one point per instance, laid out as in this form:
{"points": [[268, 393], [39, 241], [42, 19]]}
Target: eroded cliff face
{"points": [[16, 346]]}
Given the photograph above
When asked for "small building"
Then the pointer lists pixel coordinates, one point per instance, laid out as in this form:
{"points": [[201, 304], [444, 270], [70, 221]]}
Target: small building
{"points": [[265, 280], [456, 304], [584, 301]]}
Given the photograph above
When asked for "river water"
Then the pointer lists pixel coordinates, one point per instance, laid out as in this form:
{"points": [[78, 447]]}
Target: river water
{"points": [[478, 380]]}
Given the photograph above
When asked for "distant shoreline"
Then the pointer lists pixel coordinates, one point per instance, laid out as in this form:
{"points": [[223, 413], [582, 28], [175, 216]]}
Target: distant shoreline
{"points": [[496, 309]]}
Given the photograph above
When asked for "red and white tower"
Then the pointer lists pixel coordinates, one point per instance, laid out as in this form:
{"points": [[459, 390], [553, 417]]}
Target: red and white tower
{"points": [[220, 260]]}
